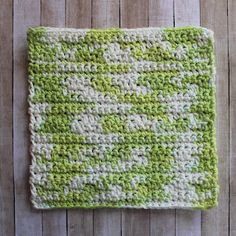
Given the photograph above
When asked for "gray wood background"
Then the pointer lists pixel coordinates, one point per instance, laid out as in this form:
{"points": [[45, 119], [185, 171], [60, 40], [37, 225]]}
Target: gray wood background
{"points": [[16, 215]]}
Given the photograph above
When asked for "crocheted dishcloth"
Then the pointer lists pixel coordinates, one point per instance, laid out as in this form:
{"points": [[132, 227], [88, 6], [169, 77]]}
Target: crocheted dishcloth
{"points": [[122, 118]]}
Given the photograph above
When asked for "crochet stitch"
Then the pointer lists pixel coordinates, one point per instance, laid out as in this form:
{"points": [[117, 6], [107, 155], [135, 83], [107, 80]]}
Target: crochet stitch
{"points": [[122, 118]]}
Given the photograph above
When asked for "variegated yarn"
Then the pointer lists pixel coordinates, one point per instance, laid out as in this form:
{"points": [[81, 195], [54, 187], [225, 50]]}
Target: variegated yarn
{"points": [[122, 118]]}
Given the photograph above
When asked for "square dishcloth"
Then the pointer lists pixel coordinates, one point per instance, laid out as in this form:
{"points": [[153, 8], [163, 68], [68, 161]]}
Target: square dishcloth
{"points": [[122, 118]]}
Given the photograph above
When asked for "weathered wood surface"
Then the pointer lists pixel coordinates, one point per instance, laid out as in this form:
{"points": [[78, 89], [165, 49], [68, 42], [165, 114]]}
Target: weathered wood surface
{"points": [[27, 220], [214, 16], [135, 14], [232, 83], [53, 14], [16, 214], [6, 122], [161, 14], [187, 13]]}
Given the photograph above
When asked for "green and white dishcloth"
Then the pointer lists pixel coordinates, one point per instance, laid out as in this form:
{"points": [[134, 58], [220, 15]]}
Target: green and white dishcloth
{"points": [[122, 118]]}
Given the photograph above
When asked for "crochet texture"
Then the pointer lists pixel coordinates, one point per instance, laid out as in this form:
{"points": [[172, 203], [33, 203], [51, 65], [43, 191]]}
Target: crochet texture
{"points": [[122, 118]]}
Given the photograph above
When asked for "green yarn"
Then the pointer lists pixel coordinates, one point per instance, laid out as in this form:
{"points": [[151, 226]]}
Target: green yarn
{"points": [[122, 118]]}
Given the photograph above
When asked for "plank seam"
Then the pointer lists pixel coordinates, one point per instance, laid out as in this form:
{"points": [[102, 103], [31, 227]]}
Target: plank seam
{"points": [[119, 13], [174, 13], [12, 116], [229, 119], [174, 26], [42, 213], [65, 22], [91, 22], [200, 14]]}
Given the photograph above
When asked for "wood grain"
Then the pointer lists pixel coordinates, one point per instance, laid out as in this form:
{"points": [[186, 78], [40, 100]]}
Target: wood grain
{"points": [[6, 122], [232, 69], [105, 14], [162, 223], [80, 222], [134, 13], [78, 15], [214, 16], [53, 14], [188, 222], [27, 221], [107, 222], [161, 14], [232, 94], [187, 13], [135, 222], [54, 223]]}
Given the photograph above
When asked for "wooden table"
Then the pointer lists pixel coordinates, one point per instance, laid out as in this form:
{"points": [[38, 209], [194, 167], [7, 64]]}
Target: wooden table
{"points": [[16, 215]]}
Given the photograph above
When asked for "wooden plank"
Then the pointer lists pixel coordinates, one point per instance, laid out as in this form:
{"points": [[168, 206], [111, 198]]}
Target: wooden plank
{"points": [[232, 69], [80, 222], [162, 223], [161, 14], [187, 13], [6, 139], [107, 222], [78, 15], [27, 221], [53, 14], [188, 222], [214, 16], [135, 222], [54, 223], [105, 14], [134, 13]]}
